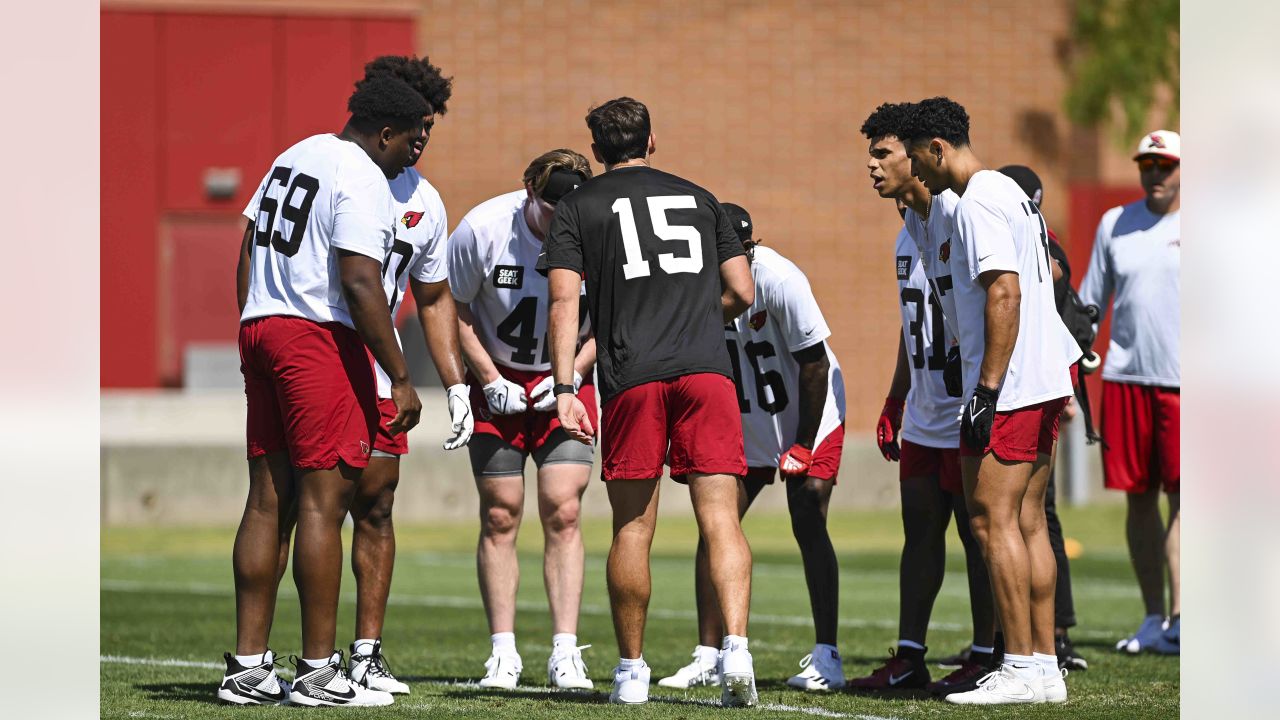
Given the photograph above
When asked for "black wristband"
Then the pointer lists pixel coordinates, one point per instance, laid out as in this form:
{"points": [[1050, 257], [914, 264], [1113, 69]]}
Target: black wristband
{"points": [[562, 389]]}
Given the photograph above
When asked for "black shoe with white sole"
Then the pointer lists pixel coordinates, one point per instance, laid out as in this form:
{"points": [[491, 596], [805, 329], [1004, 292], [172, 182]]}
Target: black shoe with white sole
{"points": [[328, 686], [256, 685]]}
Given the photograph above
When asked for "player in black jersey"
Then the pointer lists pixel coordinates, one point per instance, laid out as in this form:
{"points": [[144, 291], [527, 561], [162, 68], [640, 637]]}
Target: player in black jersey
{"points": [[664, 271]]}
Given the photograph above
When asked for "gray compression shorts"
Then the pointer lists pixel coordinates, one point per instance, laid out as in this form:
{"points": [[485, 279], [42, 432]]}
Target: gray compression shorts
{"points": [[492, 456]]}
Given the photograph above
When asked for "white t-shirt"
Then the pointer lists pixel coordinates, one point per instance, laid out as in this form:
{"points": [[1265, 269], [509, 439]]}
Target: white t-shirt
{"points": [[322, 194], [930, 415], [784, 319], [418, 251], [491, 259], [999, 228], [1137, 255]]}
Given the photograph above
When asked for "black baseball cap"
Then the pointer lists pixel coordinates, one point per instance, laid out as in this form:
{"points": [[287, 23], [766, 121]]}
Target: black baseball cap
{"points": [[1027, 180], [740, 219], [559, 184]]}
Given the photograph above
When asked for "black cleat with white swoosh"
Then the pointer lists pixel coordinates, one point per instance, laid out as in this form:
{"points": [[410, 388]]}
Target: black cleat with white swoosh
{"points": [[329, 686], [257, 685]]}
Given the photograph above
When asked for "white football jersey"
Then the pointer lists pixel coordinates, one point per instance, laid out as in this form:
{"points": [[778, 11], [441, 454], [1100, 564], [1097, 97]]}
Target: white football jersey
{"points": [[491, 259], [933, 241], [784, 318], [999, 228], [418, 251], [321, 195], [930, 415]]}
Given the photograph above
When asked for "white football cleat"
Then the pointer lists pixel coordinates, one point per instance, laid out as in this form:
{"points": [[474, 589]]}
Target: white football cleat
{"points": [[1000, 687], [566, 670], [328, 686], [373, 672], [503, 670], [822, 670], [630, 687], [738, 677], [1054, 685], [704, 670], [256, 685]]}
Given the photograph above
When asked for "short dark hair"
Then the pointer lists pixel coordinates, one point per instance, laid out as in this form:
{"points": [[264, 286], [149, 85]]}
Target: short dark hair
{"points": [[937, 117], [888, 119], [420, 75], [385, 101], [620, 129]]}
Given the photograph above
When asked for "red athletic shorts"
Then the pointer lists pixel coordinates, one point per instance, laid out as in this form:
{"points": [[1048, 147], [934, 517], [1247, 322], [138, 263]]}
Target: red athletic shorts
{"points": [[925, 461], [1020, 435], [384, 441], [696, 414], [1141, 441], [530, 429], [825, 464], [310, 389]]}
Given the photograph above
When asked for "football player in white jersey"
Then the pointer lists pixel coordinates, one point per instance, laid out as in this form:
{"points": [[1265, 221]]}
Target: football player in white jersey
{"points": [[791, 397], [310, 290], [416, 261], [1017, 355], [918, 426], [502, 308]]}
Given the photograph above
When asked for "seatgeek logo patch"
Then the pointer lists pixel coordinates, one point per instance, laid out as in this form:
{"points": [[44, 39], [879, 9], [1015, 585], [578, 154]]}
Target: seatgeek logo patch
{"points": [[411, 219], [508, 276], [904, 267]]}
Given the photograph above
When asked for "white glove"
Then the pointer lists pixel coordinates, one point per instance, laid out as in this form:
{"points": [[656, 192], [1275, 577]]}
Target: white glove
{"points": [[460, 414], [505, 397], [547, 401]]}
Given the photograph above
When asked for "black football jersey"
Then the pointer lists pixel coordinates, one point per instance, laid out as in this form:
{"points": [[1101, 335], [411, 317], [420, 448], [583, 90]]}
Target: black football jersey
{"points": [[650, 246]]}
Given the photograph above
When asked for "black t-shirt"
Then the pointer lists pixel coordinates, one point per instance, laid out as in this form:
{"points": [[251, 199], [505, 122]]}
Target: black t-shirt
{"points": [[650, 245]]}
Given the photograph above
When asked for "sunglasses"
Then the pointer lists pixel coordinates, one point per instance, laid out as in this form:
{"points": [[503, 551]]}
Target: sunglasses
{"points": [[1147, 164]]}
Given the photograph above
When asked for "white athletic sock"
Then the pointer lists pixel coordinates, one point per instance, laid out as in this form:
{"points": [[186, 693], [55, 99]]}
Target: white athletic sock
{"points": [[630, 664], [981, 649], [363, 646], [708, 655], [503, 641], [734, 641], [251, 660], [910, 644], [824, 650], [1048, 663], [314, 664], [568, 641], [1024, 666]]}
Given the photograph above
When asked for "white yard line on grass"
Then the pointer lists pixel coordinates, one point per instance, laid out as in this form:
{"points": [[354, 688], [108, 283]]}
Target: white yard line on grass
{"points": [[777, 707]]}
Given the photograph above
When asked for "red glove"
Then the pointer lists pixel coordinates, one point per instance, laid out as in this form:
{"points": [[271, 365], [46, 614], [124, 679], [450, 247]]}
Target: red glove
{"points": [[887, 429], [795, 462]]}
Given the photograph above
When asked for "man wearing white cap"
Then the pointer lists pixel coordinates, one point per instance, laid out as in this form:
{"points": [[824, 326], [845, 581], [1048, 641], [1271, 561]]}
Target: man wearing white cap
{"points": [[1136, 257]]}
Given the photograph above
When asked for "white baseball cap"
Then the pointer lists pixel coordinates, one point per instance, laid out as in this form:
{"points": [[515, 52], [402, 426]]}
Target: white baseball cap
{"points": [[1165, 143]]}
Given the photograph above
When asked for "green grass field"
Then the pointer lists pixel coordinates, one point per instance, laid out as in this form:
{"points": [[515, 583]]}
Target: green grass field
{"points": [[168, 615]]}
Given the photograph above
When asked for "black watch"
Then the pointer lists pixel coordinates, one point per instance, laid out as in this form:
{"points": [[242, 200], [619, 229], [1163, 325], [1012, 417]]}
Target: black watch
{"points": [[558, 390]]}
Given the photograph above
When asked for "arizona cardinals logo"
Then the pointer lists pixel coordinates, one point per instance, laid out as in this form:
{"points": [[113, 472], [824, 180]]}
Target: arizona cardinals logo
{"points": [[944, 252], [411, 219], [1156, 141], [757, 321]]}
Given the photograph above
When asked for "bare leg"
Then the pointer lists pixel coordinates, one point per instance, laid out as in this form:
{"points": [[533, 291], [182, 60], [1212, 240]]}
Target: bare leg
{"points": [[1146, 533], [373, 545], [807, 499], [926, 512], [715, 505], [1044, 566], [1171, 549], [498, 568], [261, 551], [710, 627], [635, 516], [981, 606], [324, 496], [994, 490], [560, 489]]}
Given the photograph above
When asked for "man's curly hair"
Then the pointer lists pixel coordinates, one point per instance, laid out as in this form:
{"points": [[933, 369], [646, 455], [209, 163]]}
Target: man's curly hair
{"points": [[385, 101], [937, 117], [888, 119], [420, 75]]}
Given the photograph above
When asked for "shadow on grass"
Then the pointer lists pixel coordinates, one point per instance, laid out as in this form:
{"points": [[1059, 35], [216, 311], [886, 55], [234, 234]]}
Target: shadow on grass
{"points": [[203, 693]]}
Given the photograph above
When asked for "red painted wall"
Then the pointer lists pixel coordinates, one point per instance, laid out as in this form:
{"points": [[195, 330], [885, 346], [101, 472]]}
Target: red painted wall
{"points": [[183, 92]]}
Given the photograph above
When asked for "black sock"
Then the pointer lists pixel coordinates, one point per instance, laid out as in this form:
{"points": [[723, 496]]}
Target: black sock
{"points": [[981, 658], [915, 655]]}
